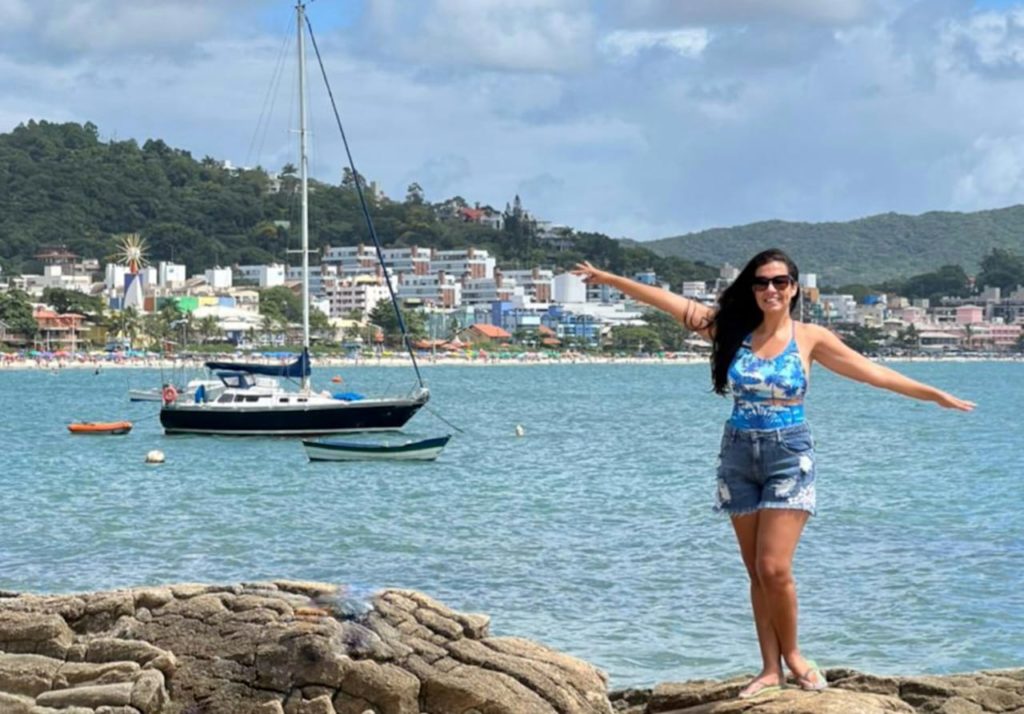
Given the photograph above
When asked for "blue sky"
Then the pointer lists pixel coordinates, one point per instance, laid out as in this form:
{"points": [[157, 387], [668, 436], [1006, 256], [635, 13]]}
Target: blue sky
{"points": [[642, 119]]}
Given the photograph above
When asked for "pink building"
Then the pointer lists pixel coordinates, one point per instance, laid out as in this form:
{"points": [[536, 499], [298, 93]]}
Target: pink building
{"points": [[969, 314]]}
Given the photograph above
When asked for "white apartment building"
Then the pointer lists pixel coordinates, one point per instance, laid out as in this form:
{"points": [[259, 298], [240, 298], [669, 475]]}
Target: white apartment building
{"points": [[476, 263], [218, 278], [537, 284], [871, 315], [568, 288], [484, 291], [170, 275], [266, 276], [362, 260], [345, 294], [838, 308], [696, 289], [439, 289], [316, 285], [604, 294], [54, 277]]}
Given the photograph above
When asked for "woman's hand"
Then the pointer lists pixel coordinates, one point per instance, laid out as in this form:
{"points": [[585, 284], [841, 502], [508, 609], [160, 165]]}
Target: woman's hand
{"points": [[950, 402], [590, 274]]}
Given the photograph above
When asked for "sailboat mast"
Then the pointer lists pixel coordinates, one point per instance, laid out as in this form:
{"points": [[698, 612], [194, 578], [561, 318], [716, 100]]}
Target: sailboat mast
{"points": [[300, 9]]}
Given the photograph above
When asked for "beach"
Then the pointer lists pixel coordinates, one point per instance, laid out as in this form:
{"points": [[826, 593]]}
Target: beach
{"points": [[524, 359]]}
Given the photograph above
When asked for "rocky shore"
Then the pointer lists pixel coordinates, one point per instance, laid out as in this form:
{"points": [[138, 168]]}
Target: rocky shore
{"points": [[287, 647]]}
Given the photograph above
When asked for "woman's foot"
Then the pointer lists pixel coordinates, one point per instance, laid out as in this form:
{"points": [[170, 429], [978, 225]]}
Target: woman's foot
{"points": [[761, 684], [808, 675]]}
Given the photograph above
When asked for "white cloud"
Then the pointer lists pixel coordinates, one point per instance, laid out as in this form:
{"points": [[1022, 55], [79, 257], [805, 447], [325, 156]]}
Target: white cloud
{"points": [[62, 29], [14, 16], [986, 42], [995, 173], [674, 12], [527, 35], [689, 42]]}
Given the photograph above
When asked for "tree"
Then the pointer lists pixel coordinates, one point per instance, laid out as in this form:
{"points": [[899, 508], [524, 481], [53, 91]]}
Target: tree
{"points": [[414, 194], [671, 334], [209, 329], [383, 315], [909, 338], [348, 180], [635, 338], [281, 303], [1001, 269], [16, 313], [126, 324], [270, 327], [284, 307], [865, 340], [63, 301], [947, 281], [857, 290]]}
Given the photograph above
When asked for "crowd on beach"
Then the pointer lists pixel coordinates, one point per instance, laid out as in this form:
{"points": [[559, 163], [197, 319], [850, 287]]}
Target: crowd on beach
{"points": [[117, 360]]}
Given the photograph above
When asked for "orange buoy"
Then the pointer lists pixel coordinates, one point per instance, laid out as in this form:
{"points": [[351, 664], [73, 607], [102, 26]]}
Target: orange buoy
{"points": [[336, 379]]}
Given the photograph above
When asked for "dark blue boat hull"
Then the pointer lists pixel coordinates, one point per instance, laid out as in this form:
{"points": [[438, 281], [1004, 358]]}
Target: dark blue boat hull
{"points": [[350, 417]]}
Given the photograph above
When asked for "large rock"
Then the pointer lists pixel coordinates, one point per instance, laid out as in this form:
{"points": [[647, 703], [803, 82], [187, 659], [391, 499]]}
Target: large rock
{"points": [[286, 647], [850, 692], [279, 647]]}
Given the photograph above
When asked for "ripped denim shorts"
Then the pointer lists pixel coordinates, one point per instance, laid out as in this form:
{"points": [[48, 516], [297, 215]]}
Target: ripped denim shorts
{"points": [[766, 469]]}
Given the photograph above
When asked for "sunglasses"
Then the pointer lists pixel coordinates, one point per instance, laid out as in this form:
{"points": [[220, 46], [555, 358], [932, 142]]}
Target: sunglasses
{"points": [[781, 282]]}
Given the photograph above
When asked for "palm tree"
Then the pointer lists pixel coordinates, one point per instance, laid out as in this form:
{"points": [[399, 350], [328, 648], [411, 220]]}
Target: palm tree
{"points": [[208, 328], [126, 324], [268, 328]]}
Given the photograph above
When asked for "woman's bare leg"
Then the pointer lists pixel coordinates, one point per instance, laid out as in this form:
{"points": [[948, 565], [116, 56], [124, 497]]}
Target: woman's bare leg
{"points": [[747, 528], [778, 533]]}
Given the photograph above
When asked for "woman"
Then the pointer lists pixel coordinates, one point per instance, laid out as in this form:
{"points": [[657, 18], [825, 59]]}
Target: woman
{"points": [[763, 357]]}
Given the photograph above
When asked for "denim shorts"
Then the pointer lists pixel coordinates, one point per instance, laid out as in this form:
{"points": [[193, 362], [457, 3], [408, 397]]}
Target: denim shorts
{"points": [[766, 469]]}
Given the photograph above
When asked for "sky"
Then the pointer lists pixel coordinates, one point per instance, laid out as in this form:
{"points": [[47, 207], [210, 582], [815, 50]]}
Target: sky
{"points": [[641, 119]]}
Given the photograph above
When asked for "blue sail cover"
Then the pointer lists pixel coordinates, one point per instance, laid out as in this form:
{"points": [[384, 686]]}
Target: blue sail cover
{"points": [[296, 370]]}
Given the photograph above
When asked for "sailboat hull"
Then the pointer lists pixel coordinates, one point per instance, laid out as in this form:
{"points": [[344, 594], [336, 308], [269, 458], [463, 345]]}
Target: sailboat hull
{"points": [[368, 415]]}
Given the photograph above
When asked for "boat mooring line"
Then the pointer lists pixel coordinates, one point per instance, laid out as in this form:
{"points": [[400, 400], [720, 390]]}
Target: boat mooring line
{"points": [[443, 419]]}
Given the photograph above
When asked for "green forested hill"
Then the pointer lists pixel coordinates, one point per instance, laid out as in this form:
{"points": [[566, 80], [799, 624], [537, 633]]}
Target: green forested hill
{"points": [[868, 250], [60, 185]]}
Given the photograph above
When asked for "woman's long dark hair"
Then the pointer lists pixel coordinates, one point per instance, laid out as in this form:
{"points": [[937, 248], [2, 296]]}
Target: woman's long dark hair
{"points": [[738, 314]]}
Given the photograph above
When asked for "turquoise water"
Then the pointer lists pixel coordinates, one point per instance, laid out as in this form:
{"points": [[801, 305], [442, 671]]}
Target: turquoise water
{"points": [[593, 533]]}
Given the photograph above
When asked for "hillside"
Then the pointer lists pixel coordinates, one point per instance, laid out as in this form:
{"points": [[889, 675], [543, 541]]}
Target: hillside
{"points": [[60, 184], [868, 250]]}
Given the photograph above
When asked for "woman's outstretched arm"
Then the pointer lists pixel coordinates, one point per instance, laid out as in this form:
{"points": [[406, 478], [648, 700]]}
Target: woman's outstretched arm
{"points": [[834, 355], [693, 315]]}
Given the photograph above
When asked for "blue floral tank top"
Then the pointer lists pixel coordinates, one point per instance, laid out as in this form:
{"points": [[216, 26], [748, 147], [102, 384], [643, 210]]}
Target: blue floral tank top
{"points": [[757, 385]]}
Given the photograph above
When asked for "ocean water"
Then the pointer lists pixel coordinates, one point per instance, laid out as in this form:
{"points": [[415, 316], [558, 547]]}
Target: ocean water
{"points": [[593, 533]]}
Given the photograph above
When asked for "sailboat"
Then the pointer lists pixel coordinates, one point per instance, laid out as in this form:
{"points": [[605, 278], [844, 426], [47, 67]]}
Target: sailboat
{"points": [[253, 401]]}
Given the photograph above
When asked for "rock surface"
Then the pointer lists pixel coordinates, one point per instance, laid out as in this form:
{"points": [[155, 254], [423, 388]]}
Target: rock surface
{"points": [[286, 647], [280, 647], [849, 692]]}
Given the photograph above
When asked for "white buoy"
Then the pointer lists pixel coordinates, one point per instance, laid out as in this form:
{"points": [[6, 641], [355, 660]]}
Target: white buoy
{"points": [[520, 431], [155, 457]]}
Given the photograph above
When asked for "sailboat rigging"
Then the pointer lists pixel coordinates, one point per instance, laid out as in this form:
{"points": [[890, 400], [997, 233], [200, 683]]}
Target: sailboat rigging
{"points": [[253, 401]]}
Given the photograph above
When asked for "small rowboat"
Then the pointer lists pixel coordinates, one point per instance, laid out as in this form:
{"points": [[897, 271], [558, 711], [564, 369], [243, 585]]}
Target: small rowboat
{"points": [[409, 450], [100, 427]]}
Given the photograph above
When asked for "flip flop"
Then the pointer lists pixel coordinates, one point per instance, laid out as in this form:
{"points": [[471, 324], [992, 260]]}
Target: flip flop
{"points": [[813, 680], [758, 687]]}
